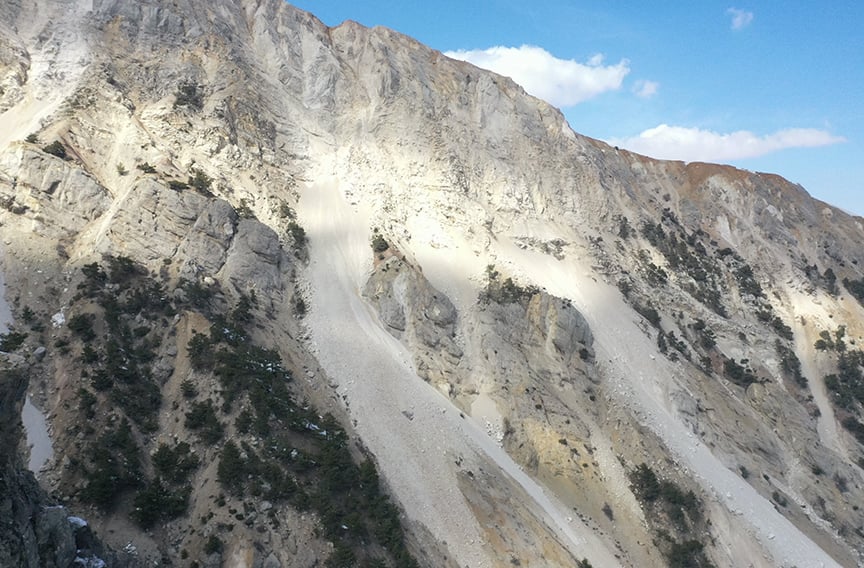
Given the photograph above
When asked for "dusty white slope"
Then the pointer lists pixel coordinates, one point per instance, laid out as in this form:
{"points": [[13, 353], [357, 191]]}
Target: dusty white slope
{"points": [[625, 352], [55, 69], [641, 381], [379, 385]]}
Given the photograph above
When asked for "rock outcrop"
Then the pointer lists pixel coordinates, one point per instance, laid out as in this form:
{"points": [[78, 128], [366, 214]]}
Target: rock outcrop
{"points": [[668, 348]]}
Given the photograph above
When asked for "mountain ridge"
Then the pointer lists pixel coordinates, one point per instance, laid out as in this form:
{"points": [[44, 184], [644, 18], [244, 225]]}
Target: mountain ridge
{"points": [[208, 141]]}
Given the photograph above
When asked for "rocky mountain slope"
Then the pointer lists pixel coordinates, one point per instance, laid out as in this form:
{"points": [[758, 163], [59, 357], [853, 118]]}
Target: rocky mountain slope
{"points": [[291, 295]]}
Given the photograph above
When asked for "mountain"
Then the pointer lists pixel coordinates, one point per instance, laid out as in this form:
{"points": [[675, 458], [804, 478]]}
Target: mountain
{"points": [[291, 295]]}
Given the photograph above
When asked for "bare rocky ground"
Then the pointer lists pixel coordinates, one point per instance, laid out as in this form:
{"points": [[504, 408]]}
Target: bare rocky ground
{"points": [[546, 314]]}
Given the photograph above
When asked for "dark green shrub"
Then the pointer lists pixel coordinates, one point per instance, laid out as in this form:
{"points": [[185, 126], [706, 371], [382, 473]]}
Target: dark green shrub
{"points": [[854, 427], [188, 96], [232, 469], [670, 498], [687, 554], [790, 364], [82, 326], [779, 499], [747, 282], [122, 269], [738, 374], [856, 288], [379, 244], [28, 315], [202, 418], [649, 312], [202, 183], [156, 503], [175, 464], [782, 329], [213, 545], [86, 403], [55, 148], [298, 235], [187, 389], [12, 341], [200, 350]]}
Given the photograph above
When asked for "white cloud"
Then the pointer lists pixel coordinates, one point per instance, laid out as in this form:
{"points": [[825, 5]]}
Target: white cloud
{"points": [[645, 89], [561, 82], [740, 18], [697, 145]]}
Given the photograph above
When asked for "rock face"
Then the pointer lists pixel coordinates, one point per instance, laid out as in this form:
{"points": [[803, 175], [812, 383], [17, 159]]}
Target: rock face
{"points": [[422, 317], [631, 332], [36, 531]]}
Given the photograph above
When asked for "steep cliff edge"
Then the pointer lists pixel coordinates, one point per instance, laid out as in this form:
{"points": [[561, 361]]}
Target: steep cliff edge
{"points": [[668, 351]]}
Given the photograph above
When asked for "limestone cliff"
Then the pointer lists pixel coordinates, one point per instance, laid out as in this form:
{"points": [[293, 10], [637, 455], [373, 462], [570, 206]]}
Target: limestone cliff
{"points": [[554, 350]]}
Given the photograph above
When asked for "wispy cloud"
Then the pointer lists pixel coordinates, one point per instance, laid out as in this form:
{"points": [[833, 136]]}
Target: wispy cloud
{"points": [[740, 18], [645, 89], [697, 145], [561, 82]]}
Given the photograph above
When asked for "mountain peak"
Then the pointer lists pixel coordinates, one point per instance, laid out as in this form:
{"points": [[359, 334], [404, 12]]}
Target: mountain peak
{"points": [[266, 264]]}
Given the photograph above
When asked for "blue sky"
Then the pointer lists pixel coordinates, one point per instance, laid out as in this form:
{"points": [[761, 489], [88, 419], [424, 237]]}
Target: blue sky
{"points": [[767, 86]]}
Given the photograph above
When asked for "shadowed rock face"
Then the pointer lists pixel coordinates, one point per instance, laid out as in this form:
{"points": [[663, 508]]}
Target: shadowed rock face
{"points": [[654, 311], [36, 531]]}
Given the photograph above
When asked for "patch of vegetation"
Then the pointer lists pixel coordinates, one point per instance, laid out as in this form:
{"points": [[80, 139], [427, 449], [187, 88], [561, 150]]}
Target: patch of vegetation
{"points": [[213, 545], [781, 328], [668, 502], [856, 288], [188, 95], [177, 185], [113, 465], [625, 231], [188, 389], [203, 419], [56, 148], [655, 275], [157, 502], [298, 235], [198, 294], [682, 508], [506, 291], [11, 341], [86, 403], [306, 462], [687, 554], [779, 498], [244, 211], [855, 428], [790, 364], [847, 385], [176, 464], [829, 281], [379, 243], [686, 256], [82, 326], [827, 342], [649, 312], [678, 345], [739, 374], [707, 338], [146, 168], [128, 300], [202, 183], [747, 283]]}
